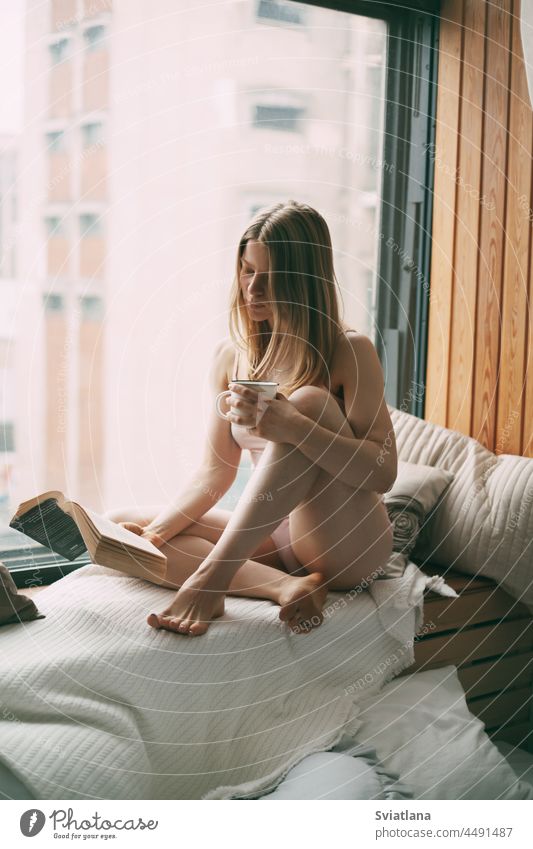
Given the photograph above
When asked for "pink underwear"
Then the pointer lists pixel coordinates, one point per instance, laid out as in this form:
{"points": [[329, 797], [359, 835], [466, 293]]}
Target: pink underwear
{"points": [[282, 539]]}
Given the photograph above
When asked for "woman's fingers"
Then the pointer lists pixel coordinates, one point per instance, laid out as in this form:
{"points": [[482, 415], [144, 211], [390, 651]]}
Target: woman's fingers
{"points": [[244, 408], [244, 391], [133, 527]]}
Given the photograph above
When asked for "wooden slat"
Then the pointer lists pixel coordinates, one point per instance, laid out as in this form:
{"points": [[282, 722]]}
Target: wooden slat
{"points": [[466, 234], [459, 581], [512, 706], [465, 646], [493, 184], [471, 608], [495, 675], [527, 208], [515, 276], [518, 735], [448, 104]]}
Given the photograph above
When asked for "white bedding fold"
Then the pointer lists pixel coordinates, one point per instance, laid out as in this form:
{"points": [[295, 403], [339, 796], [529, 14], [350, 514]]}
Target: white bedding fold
{"points": [[95, 704]]}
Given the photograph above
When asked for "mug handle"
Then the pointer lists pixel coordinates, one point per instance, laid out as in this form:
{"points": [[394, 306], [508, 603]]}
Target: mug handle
{"points": [[218, 399]]}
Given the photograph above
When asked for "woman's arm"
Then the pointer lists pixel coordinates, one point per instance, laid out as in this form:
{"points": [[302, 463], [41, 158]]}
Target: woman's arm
{"points": [[218, 469], [369, 459]]}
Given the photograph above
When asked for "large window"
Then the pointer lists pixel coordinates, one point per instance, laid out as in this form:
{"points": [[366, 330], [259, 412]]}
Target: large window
{"points": [[206, 122]]}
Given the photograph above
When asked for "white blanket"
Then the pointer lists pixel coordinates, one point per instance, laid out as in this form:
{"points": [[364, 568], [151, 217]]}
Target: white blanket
{"points": [[96, 704]]}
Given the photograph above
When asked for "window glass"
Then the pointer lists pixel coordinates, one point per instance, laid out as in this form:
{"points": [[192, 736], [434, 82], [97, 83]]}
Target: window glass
{"points": [[59, 50], [94, 37], [90, 225]]}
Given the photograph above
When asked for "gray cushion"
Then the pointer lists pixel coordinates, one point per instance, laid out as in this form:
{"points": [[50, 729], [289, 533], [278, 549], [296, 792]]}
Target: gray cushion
{"points": [[410, 500]]}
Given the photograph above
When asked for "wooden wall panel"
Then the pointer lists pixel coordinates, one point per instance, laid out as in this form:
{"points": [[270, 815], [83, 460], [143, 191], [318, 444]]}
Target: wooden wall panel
{"points": [[511, 384], [445, 155], [492, 214], [479, 352], [466, 246]]}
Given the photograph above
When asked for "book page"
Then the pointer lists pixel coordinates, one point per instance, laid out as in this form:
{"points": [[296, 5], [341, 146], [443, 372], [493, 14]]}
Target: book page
{"points": [[111, 530]]}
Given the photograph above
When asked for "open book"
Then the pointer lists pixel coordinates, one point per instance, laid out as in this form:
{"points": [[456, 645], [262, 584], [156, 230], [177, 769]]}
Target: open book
{"points": [[70, 529]]}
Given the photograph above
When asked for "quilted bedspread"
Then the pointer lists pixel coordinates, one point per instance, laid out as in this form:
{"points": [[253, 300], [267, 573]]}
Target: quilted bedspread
{"points": [[95, 704]]}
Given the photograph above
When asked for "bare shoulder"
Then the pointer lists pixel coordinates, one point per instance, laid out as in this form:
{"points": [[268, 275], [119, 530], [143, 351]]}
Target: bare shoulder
{"points": [[353, 351]]}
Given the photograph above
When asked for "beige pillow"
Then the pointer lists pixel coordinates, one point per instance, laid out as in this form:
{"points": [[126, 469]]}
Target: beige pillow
{"points": [[484, 524], [14, 607]]}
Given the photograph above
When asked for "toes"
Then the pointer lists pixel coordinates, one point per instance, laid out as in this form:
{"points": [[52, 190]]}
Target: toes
{"points": [[153, 620], [288, 612], [197, 628]]}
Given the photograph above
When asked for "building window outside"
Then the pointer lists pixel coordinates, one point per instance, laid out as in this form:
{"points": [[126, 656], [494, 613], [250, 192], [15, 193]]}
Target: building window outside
{"points": [[53, 302], [90, 225], [55, 141], [91, 308], [92, 134], [278, 117], [94, 37], [55, 226], [59, 50], [7, 437], [280, 12]]}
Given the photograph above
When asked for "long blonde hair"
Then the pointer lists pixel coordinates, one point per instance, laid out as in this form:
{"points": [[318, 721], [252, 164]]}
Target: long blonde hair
{"points": [[303, 293]]}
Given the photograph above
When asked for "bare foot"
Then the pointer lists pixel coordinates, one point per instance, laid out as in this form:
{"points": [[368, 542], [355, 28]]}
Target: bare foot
{"points": [[301, 601], [193, 609]]}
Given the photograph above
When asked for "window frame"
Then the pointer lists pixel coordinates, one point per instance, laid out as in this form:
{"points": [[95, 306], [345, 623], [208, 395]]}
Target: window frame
{"points": [[406, 191]]}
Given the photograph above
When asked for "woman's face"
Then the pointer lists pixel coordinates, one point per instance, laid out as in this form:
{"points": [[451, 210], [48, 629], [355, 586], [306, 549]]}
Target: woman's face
{"points": [[253, 276]]}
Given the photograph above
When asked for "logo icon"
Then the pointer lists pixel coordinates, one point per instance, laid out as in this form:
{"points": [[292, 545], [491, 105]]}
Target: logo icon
{"points": [[32, 822]]}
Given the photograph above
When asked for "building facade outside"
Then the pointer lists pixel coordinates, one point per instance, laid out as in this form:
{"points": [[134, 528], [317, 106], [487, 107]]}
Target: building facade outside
{"points": [[153, 131]]}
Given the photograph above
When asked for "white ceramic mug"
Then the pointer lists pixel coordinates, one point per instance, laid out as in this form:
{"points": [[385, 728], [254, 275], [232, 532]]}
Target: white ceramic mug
{"points": [[266, 389]]}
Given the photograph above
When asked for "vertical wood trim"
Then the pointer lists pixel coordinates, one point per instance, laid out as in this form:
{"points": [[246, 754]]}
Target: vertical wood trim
{"points": [[493, 185], [526, 204], [463, 322], [444, 199], [515, 275]]}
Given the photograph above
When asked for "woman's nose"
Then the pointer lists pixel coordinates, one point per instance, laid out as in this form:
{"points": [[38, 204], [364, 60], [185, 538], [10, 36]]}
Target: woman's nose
{"points": [[256, 284]]}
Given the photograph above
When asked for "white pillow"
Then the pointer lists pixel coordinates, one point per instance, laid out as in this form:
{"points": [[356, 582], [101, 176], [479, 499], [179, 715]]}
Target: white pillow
{"points": [[484, 523], [422, 730]]}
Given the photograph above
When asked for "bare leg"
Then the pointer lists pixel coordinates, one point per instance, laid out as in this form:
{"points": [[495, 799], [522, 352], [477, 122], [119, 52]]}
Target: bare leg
{"points": [[280, 482], [259, 577], [305, 595]]}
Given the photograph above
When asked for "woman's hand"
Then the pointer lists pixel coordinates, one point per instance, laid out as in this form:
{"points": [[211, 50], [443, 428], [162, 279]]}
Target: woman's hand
{"points": [[279, 421], [145, 533]]}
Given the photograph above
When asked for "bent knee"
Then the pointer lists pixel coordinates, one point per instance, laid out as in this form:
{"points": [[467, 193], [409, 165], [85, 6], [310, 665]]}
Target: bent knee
{"points": [[318, 404], [312, 401]]}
